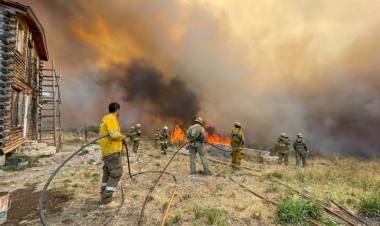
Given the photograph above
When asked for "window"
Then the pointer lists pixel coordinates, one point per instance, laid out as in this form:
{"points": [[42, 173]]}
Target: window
{"points": [[20, 38], [16, 111]]}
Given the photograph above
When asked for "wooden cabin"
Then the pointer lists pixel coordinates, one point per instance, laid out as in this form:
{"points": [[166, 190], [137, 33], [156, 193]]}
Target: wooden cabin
{"points": [[22, 50]]}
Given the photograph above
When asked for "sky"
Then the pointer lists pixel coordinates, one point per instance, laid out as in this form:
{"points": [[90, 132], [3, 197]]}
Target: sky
{"points": [[275, 66]]}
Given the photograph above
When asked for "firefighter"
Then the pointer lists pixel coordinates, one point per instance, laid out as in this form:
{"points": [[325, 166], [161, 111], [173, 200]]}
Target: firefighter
{"points": [[163, 138], [282, 149], [157, 137], [196, 136], [111, 148], [301, 150], [135, 136], [237, 142]]}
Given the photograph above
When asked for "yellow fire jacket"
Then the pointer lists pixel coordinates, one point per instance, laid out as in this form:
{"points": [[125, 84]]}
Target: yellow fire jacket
{"points": [[114, 143]]}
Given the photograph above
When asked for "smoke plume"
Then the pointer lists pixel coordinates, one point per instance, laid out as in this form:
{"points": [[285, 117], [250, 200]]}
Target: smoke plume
{"points": [[146, 88], [275, 66]]}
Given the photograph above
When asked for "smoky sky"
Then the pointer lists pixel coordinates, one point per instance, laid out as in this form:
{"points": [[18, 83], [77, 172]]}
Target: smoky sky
{"points": [[275, 66], [140, 82]]}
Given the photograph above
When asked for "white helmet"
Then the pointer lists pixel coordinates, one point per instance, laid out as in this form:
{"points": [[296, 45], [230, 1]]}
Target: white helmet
{"points": [[166, 128]]}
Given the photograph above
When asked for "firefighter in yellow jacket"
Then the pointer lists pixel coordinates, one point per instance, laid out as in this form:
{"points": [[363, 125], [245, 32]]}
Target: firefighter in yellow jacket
{"points": [[237, 142], [111, 148]]}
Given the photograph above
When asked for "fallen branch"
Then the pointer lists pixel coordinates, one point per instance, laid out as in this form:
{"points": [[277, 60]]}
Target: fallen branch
{"points": [[313, 222], [163, 220]]}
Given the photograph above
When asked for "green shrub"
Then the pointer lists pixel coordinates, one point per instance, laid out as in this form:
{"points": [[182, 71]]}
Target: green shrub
{"points": [[296, 211], [369, 206]]}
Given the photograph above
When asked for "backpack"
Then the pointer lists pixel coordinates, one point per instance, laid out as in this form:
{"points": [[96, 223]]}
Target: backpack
{"points": [[193, 133]]}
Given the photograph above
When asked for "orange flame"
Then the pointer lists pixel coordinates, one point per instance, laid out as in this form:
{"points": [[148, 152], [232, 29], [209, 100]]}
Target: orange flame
{"points": [[217, 139], [178, 136]]}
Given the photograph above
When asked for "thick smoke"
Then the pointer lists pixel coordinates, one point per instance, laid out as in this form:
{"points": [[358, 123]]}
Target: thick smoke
{"points": [[292, 66], [141, 84]]}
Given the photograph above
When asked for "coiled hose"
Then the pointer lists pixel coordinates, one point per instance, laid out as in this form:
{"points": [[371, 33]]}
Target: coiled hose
{"points": [[44, 190]]}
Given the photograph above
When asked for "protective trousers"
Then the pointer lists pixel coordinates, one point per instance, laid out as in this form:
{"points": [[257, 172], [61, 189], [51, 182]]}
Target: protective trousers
{"points": [[301, 157], [112, 172], [164, 147], [283, 158], [135, 146], [195, 148], [236, 155]]}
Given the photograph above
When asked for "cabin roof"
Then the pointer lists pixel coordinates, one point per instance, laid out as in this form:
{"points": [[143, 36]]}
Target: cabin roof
{"points": [[34, 25]]}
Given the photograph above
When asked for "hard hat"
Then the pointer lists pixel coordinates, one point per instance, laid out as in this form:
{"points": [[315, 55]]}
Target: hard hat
{"points": [[237, 124], [199, 120], [283, 135], [300, 135], [138, 125], [132, 127], [166, 128]]}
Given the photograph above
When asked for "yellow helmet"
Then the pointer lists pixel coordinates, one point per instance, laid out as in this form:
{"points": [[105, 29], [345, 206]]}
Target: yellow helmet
{"points": [[199, 120], [138, 125]]}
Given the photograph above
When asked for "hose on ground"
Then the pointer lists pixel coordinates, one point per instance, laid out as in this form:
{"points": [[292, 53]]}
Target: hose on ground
{"points": [[109, 220], [140, 223], [44, 190]]}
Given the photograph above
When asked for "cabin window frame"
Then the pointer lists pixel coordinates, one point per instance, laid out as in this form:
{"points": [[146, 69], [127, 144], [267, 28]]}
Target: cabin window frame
{"points": [[17, 108], [20, 38]]}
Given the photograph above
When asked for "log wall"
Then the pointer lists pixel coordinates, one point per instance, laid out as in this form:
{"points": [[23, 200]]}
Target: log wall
{"points": [[23, 79]]}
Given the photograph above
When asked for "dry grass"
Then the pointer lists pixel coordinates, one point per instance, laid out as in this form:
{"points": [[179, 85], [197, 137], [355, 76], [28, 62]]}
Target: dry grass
{"points": [[345, 180], [215, 200]]}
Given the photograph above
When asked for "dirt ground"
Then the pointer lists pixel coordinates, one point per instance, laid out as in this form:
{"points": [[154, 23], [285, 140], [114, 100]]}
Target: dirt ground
{"points": [[73, 198]]}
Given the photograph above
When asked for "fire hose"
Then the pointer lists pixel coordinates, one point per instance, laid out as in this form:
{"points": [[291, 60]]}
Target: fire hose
{"points": [[140, 223], [44, 190], [109, 220]]}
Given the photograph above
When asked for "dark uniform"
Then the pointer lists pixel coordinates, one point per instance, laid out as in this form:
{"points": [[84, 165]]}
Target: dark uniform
{"points": [[157, 138], [163, 138], [301, 150]]}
